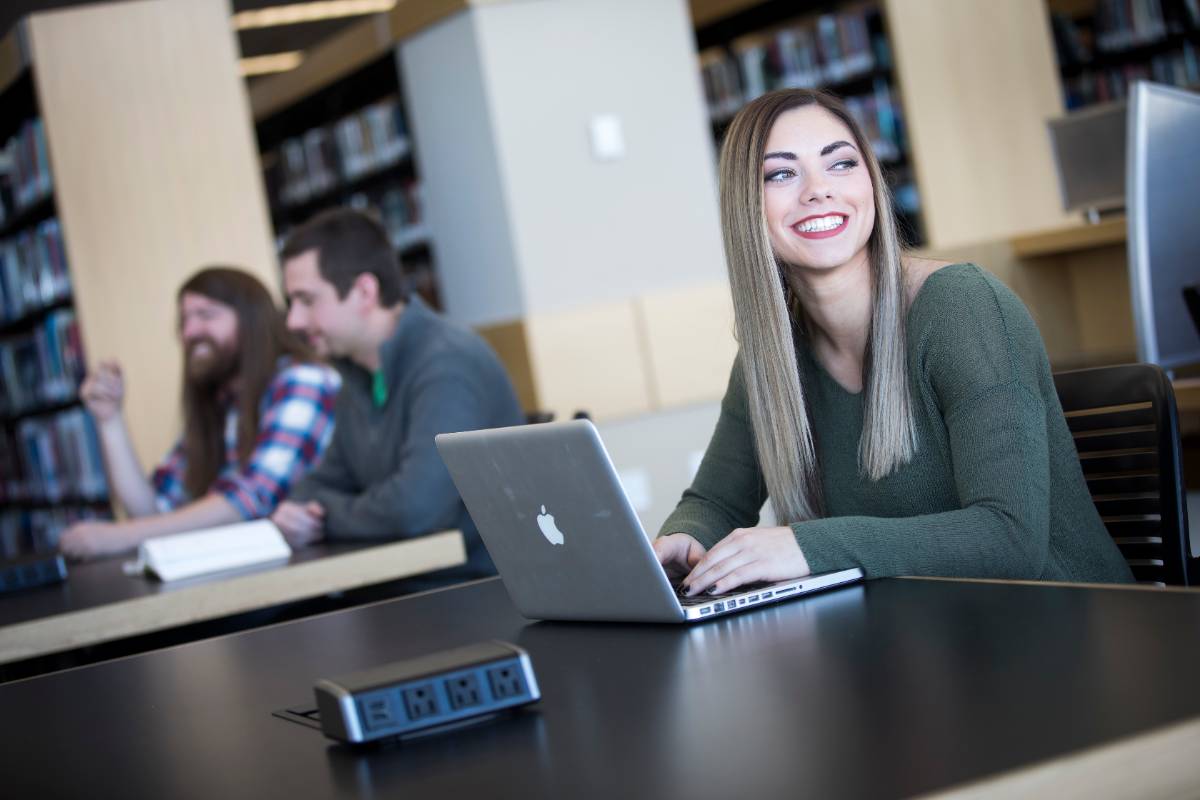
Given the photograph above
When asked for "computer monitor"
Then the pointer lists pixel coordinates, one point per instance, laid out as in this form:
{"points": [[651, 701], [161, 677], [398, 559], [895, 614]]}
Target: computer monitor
{"points": [[1163, 208], [1089, 151]]}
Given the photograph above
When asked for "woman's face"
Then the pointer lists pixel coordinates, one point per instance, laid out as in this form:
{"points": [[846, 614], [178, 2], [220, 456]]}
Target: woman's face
{"points": [[817, 194]]}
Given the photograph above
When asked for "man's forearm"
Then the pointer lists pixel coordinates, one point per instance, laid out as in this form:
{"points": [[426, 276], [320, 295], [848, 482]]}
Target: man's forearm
{"points": [[125, 473]]}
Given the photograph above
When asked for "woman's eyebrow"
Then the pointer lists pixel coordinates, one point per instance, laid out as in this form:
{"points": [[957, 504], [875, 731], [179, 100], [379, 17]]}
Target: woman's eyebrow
{"points": [[829, 148], [788, 155]]}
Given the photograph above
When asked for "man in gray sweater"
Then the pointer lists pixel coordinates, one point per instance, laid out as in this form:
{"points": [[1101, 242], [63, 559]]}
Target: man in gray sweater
{"points": [[407, 375]]}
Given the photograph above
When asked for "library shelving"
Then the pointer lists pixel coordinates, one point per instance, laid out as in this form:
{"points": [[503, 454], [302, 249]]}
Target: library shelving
{"points": [[123, 169], [1104, 46], [348, 144], [841, 48], [51, 472]]}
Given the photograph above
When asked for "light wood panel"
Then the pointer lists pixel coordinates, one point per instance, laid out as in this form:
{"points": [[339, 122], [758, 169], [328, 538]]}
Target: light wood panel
{"points": [[1100, 282], [690, 343], [978, 80], [1074, 237], [509, 341], [156, 175], [221, 597], [590, 359]]}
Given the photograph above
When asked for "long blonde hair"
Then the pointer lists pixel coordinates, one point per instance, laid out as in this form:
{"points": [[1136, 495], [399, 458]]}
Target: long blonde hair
{"points": [[769, 319]]}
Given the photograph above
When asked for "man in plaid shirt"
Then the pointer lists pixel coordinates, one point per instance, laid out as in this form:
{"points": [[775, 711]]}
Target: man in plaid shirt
{"points": [[258, 415]]}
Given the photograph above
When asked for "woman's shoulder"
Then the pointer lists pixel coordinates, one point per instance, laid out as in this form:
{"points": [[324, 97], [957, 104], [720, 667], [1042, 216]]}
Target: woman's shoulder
{"points": [[965, 322], [964, 289]]}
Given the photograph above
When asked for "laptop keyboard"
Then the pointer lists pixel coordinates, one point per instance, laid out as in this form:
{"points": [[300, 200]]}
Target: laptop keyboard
{"points": [[702, 598]]}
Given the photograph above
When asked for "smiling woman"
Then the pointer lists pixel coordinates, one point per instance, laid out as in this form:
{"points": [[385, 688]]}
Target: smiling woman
{"points": [[898, 412]]}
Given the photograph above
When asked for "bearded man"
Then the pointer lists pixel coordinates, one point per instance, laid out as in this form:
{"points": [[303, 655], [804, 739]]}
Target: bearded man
{"points": [[258, 415]]}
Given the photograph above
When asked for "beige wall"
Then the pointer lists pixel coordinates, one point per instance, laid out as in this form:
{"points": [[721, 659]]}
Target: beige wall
{"points": [[978, 79], [156, 174]]}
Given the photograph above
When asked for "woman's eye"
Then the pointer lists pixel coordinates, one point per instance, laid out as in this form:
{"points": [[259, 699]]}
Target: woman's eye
{"points": [[779, 175], [844, 164]]}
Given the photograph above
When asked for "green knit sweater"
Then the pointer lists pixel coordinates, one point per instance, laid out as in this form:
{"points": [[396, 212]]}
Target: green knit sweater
{"points": [[995, 489]]}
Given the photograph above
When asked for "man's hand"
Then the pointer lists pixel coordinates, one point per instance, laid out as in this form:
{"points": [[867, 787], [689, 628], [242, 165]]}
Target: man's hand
{"points": [[678, 553], [748, 555], [103, 391], [300, 523], [93, 539]]}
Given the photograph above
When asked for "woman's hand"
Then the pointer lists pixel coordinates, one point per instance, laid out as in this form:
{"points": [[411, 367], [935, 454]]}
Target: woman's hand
{"points": [[748, 555], [678, 553]]}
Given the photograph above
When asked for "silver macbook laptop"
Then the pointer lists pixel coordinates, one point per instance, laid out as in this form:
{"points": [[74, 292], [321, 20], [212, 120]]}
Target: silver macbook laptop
{"points": [[567, 543]]}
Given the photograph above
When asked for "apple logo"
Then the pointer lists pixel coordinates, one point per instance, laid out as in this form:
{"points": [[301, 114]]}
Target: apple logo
{"points": [[549, 529]]}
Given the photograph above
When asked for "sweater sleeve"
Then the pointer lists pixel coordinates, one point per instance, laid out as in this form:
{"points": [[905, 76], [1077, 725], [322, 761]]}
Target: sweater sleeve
{"points": [[728, 489], [982, 358], [419, 497]]}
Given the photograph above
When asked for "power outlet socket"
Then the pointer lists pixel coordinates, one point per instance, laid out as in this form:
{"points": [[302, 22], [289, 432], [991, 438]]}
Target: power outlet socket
{"points": [[424, 692], [506, 681], [463, 691]]}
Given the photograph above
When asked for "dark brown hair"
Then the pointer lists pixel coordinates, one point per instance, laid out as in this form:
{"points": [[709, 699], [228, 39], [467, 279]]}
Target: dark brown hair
{"points": [[349, 243], [263, 339]]}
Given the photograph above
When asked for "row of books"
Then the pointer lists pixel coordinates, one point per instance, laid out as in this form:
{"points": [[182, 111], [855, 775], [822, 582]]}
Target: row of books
{"points": [[26, 531], [1122, 24], [25, 171], [1181, 68], [53, 458], [398, 206], [323, 158], [33, 271], [1119, 25], [43, 366], [832, 49]]}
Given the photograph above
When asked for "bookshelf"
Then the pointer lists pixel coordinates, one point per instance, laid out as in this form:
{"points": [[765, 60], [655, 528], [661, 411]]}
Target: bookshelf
{"points": [[123, 169], [1104, 46], [842, 47], [51, 472], [348, 144]]}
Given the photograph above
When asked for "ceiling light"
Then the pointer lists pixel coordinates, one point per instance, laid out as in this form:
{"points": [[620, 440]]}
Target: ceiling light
{"points": [[265, 65], [296, 13]]}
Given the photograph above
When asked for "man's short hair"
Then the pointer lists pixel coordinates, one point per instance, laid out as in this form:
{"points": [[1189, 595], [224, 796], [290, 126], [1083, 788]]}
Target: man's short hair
{"points": [[349, 243]]}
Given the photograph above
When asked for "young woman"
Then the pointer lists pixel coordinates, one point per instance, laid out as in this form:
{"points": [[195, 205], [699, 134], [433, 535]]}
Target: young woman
{"points": [[899, 412]]}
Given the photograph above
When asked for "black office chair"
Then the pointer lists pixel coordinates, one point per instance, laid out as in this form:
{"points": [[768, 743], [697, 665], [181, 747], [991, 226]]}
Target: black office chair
{"points": [[1126, 431]]}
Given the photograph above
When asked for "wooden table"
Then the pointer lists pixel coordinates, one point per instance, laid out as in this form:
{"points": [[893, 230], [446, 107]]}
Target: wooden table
{"points": [[99, 603]]}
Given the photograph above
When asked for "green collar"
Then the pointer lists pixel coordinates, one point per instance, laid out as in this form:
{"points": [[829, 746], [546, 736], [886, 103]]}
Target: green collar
{"points": [[379, 389]]}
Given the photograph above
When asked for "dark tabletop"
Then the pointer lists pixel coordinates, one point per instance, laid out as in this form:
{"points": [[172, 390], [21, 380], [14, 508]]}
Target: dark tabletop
{"points": [[891, 688]]}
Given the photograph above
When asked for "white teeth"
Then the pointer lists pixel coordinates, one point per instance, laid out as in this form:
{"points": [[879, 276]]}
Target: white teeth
{"points": [[821, 224]]}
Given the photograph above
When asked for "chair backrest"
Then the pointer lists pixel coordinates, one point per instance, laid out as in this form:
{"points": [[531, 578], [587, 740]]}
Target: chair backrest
{"points": [[1126, 431]]}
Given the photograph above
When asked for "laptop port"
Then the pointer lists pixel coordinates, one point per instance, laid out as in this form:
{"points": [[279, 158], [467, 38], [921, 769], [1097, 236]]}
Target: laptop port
{"points": [[753, 597], [719, 607], [785, 590], [766, 595], [704, 611]]}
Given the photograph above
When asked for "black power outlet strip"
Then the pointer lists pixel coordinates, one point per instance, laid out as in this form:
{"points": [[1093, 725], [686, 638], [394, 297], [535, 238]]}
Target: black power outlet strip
{"points": [[440, 688]]}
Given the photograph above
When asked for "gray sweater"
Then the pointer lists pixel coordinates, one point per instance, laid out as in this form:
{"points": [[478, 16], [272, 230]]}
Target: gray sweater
{"points": [[995, 489], [382, 477]]}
